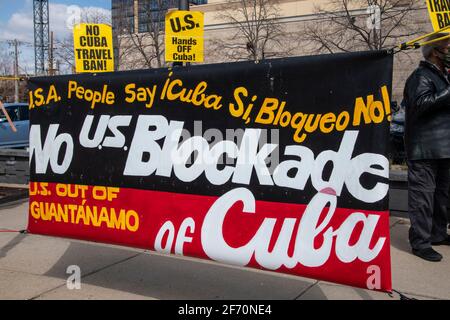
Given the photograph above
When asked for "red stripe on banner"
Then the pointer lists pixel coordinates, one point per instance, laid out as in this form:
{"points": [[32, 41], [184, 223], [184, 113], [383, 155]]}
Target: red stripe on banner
{"points": [[316, 240]]}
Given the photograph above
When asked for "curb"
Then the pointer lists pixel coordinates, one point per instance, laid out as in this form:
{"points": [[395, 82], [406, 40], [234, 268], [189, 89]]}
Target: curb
{"points": [[12, 193]]}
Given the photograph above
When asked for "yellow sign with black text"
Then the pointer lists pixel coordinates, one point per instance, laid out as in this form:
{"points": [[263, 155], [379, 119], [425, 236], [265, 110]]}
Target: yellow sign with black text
{"points": [[93, 48], [184, 36], [439, 11]]}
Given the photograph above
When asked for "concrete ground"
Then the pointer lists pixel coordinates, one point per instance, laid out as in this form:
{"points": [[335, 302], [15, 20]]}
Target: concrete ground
{"points": [[34, 267]]}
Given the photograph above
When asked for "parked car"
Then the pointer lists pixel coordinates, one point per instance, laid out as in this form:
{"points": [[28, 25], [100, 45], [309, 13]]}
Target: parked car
{"points": [[18, 112], [396, 139]]}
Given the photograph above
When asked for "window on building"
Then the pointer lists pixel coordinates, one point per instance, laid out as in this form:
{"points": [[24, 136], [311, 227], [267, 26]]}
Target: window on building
{"points": [[152, 14], [122, 16]]}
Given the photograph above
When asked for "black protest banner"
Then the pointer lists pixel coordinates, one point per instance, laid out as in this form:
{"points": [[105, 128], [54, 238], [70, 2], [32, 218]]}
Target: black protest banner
{"points": [[175, 160]]}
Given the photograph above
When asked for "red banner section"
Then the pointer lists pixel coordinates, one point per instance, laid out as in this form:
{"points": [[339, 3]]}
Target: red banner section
{"points": [[316, 240]]}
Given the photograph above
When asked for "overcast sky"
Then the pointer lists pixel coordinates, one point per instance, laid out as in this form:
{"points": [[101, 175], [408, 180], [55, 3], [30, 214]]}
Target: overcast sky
{"points": [[16, 22]]}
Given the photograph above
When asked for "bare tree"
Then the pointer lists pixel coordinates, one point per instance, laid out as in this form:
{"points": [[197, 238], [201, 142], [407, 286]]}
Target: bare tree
{"points": [[94, 15], [351, 25], [144, 43], [64, 53], [6, 63], [6, 60], [258, 33], [7, 91]]}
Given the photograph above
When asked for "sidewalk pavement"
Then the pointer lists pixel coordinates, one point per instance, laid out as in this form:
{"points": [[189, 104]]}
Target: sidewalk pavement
{"points": [[34, 267]]}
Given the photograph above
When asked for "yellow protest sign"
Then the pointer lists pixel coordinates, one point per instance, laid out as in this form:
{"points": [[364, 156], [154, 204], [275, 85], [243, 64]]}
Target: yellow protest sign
{"points": [[93, 46], [439, 11], [184, 36]]}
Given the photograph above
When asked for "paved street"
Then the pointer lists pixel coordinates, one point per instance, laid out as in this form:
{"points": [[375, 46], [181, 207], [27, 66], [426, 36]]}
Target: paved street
{"points": [[34, 267]]}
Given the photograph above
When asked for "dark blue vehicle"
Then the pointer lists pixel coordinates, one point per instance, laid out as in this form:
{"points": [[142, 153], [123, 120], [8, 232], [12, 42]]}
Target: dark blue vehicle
{"points": [[18, 112]]}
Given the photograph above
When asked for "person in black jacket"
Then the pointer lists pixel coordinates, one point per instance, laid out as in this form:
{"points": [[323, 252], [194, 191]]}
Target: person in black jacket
{"points": [[427, 142]]}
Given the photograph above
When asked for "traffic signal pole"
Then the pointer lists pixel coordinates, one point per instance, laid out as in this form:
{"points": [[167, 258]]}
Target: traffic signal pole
{"points": [[182, 5]]}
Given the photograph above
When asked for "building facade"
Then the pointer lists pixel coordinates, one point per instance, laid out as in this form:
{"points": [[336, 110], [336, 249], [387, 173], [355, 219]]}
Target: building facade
{"points": [[293, 25]]}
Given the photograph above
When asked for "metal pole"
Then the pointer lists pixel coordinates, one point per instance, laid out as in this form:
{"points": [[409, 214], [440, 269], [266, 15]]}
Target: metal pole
{"points": [[51, 70], [183, 5], [415, 42], [41, 34], [16, 72]]}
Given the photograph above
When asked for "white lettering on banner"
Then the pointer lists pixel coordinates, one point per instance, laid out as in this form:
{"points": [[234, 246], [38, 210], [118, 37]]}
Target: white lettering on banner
{"points": [[148, 155], [215, 245], [105, 122], [169, 229], [85, 141], [249, 158], [50, 150], [173, 157], [182, 237]]}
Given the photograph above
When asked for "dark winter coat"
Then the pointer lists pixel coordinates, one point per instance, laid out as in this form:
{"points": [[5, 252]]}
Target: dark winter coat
{"points": [[427, 100]]}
